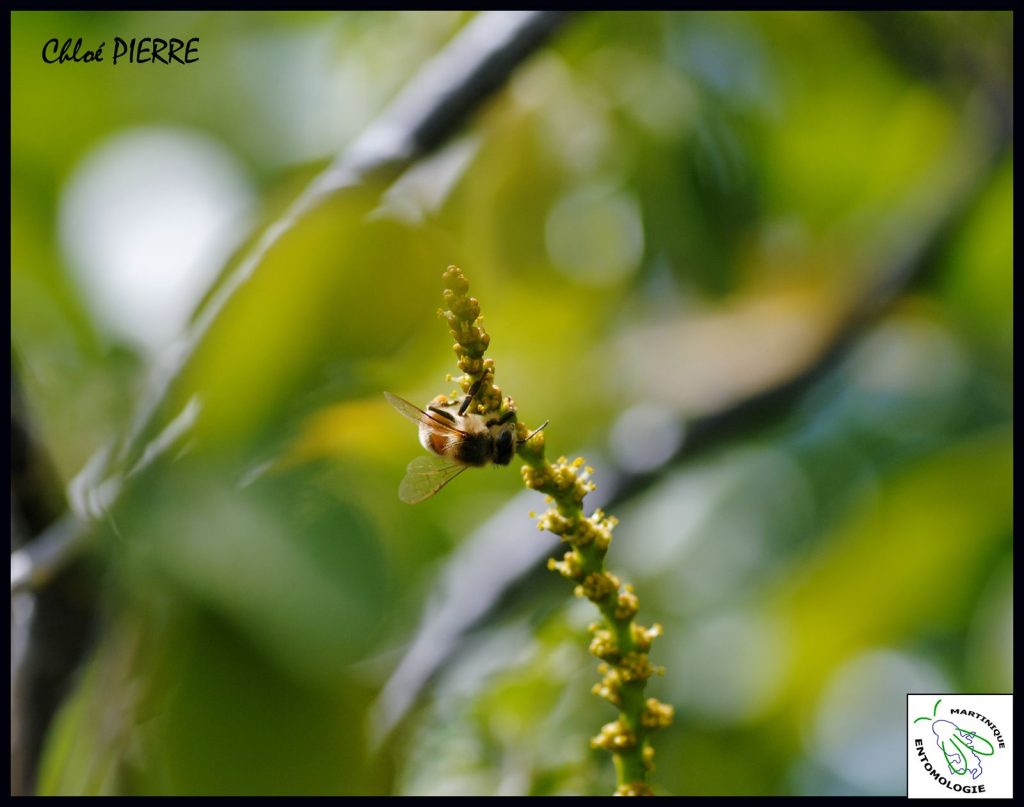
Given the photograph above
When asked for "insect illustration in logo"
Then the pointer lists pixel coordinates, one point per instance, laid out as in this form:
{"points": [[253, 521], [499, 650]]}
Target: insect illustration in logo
{"points": [[456, 440], [961, 747]]}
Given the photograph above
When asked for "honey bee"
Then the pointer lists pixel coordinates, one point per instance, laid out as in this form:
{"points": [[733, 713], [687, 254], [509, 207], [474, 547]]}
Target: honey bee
{"points": [[456, 440]]}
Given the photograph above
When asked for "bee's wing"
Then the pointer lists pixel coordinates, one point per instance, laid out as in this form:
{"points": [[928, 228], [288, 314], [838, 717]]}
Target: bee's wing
{"points": [[416, 414], [425, 476]]}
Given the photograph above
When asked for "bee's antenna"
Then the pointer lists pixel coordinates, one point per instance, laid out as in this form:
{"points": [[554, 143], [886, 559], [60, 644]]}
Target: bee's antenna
{"points": [[471, 394], [540, 428]]}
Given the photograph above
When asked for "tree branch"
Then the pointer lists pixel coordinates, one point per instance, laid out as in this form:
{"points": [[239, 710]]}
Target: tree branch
{"points": [[49, 630]]}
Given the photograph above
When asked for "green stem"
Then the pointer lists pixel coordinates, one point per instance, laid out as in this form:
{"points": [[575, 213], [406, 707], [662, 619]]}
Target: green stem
{"points": [[619, 641]]}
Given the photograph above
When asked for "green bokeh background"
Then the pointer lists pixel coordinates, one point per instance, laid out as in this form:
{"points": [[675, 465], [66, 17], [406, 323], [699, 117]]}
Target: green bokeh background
{"points": [[663, 210]]}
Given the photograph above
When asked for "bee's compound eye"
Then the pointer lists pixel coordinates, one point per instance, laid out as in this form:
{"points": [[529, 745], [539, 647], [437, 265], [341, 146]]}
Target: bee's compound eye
{"points": [[504, 447]]}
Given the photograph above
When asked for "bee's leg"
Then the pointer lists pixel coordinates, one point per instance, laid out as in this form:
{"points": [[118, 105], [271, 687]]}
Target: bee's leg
{"points": [[509, 415], [471, 394], [439, 411]]}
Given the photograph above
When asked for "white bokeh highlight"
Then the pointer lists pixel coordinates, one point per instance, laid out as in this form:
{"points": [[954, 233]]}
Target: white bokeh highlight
{"points": [[860, 730], [646, 436], [595, 234], [146, 220]]}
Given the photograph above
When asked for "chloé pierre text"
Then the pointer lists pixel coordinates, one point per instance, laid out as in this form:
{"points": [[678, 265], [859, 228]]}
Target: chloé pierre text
{"points": [[143, 50]]}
